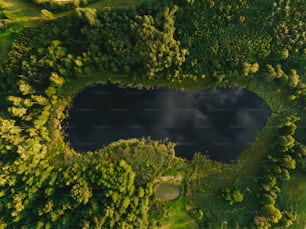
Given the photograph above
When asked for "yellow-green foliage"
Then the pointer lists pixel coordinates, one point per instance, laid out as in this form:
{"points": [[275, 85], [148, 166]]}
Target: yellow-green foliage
{"points": [[44, 183]]}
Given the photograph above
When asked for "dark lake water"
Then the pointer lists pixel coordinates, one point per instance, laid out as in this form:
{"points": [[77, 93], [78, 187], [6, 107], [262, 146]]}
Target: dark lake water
{"points": [[218, 122]]}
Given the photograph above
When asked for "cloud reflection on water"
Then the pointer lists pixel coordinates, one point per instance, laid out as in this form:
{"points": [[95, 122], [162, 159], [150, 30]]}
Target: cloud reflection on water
{"points": [[222, 122]]}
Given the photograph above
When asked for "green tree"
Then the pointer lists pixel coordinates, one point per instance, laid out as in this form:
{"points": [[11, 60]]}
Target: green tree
{"points": [[288, 219], [272, 213], [17, 111], [81, 193], [293, 78], [88, 14], [286, 142], [198, 214], [267, 199], [25, 88], [269, 182], [231, 195], [56, 79], [47, 14], [288, 162], [285, 175]]}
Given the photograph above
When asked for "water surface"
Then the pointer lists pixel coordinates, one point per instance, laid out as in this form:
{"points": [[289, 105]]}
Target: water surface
{"points": [[220, 123], [167, 191]]}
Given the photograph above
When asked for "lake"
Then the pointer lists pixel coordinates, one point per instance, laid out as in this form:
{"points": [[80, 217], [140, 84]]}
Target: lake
{"points": [[218, 122]]}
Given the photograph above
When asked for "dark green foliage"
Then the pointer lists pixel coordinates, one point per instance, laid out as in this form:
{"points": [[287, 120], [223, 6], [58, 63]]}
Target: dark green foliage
{"points": [[220, 36], [100, 195], [149, 159], [211, 43], [231, 195], [288, 219], [300, 153], [277, 168], [99, 192], [272, 213], [93, 191], [88, 14], [198, 214], [288, 130]]}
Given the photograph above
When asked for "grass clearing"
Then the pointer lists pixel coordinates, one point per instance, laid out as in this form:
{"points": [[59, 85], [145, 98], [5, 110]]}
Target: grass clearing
{"points": [[206, 178], [100, 5], [29, 14], [294, 194], [22, 8], [178, 217], [250, 158], [24, 14], [5, 44], [274, 97], [203, 192]]}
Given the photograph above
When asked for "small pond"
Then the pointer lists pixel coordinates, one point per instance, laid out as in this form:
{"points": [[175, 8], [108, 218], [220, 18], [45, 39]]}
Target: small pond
{"points": [[167, 192], [218, 122]]}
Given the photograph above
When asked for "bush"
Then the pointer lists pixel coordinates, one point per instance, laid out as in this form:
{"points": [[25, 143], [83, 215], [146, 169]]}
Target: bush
{"points": [[231, 195]]}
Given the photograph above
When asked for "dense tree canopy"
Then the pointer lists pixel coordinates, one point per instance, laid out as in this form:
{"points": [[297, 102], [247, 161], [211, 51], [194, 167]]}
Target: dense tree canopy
{"points": [[44, 183]]}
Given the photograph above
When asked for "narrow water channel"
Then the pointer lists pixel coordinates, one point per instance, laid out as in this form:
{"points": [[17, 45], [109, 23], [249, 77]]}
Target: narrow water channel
{"points": [[218, 122]]}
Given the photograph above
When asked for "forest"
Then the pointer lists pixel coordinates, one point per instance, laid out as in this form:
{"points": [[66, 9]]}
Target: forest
{"points": [[48, 57]]}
